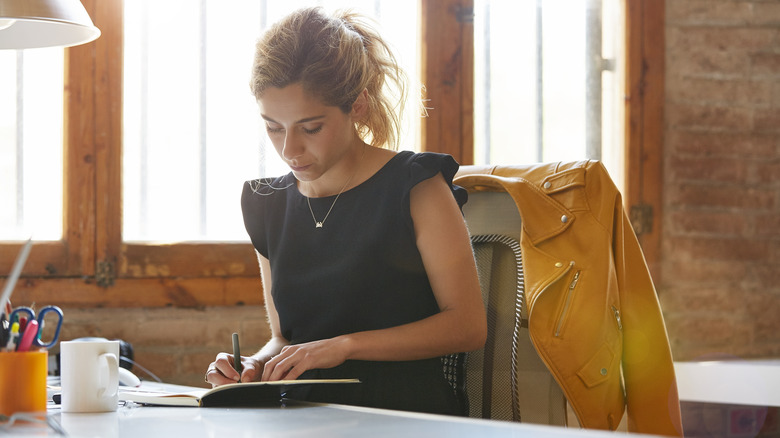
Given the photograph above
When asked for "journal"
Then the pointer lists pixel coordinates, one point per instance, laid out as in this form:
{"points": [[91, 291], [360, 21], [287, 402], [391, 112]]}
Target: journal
{"points": [[231, 395]]}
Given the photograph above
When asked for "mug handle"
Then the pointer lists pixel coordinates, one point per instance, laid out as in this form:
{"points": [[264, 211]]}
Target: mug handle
{"points": [[113, 375]]}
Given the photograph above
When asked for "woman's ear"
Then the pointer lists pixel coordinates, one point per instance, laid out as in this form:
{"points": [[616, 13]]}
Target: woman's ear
{"points": [[360, 106]]}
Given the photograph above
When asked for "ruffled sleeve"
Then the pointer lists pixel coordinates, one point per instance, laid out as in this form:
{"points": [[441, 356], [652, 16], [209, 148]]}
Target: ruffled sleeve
{"points": [[426, 165], [260, 199]]}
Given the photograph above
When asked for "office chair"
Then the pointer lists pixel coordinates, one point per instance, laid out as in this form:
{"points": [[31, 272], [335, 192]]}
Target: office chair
{"points": [[506, 380]]}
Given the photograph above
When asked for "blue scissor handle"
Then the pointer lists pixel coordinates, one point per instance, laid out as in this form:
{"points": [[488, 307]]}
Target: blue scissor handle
{"points": [[37, 341], [18, 312]]}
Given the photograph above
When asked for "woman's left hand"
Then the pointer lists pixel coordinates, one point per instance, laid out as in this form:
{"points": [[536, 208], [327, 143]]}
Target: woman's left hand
{"points": [[294, 360]]}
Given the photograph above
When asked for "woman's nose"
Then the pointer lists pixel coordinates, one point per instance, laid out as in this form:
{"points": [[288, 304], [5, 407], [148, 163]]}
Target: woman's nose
{"points": [[293, 147]]}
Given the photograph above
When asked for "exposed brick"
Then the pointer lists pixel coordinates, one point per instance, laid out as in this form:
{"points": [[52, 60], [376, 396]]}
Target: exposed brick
{"points": [[767, 120], [711, 12], [161, 362], [768, 225], [689, 61], [742, 144], [699, 248], [763, 276], [708, 330], [175, 344], [196, 363], [767, 325], [776, 94], [722, 39], [255, 333], [766, 13], [700, 300], [768, 172], [707, 169], [708, 223], [765, 64], [701, 273], [721, 196], [709, 116], [720, 91]]}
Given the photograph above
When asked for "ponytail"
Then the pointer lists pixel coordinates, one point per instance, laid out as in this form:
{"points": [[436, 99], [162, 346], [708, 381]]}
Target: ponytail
{"points": [[335, 59]]}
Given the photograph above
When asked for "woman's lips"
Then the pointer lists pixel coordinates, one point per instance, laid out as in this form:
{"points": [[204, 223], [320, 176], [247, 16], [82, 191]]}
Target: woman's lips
{"points": [[299, 168]]}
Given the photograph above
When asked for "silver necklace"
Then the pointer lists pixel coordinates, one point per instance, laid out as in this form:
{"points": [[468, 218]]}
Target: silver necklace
{"points": [[319, 224]]}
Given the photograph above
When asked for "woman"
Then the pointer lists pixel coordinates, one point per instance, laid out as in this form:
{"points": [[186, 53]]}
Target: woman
{"points": [[364, 254]]}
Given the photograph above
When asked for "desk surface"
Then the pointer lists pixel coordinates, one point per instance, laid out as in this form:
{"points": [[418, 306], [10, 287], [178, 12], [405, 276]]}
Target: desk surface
{"points": [[320, 421], [741, 382], [292, 420]]}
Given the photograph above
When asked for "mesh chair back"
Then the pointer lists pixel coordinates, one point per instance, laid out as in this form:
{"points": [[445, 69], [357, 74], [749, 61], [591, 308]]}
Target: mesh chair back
{"points": [[506, 379]]}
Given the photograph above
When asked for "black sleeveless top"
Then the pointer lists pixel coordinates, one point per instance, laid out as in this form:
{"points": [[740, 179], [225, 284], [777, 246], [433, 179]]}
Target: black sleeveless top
{"points": [[360, 271]]}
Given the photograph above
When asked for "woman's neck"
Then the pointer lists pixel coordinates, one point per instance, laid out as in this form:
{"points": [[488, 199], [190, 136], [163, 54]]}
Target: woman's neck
{"points": [[345, 175]]}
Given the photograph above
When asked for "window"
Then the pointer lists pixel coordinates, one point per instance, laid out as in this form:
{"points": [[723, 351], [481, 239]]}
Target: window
{"points": [[187, 101], [31, 144], [85, 261], [547, 82]]}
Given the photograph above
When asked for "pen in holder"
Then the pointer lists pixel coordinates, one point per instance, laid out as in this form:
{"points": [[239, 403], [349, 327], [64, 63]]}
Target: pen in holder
{"points": [[23, 381]]}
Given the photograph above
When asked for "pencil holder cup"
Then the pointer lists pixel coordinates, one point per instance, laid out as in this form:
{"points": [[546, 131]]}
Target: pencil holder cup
{"points": [[23, 381]]}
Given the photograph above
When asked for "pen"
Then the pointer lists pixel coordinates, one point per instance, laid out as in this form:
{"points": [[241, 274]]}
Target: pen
{"points": [[12, 337], [30, 332], [5, 327], [237, 356], [15, 271]]}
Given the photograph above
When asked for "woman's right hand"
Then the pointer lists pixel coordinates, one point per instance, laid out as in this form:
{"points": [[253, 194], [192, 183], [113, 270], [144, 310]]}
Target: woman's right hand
{"points": [[221, 371]]}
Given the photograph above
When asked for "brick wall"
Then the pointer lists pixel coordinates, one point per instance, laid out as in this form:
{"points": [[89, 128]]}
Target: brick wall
{"points": [[173, 343], [720, 285]]}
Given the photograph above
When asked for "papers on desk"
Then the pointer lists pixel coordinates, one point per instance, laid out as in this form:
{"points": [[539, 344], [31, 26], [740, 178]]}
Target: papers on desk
{"points": [[232, 395]]}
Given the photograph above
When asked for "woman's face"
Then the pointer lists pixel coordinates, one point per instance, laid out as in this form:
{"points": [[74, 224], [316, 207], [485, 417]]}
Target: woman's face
{"points": [[309, 136]]}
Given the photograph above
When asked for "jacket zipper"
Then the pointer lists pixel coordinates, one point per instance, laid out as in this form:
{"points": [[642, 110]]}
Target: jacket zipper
{"points": [[616, 312], [544, 288], [566, 305]]}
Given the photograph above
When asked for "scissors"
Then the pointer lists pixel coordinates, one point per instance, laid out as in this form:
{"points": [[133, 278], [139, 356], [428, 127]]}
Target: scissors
{"points": [[30, 314]]}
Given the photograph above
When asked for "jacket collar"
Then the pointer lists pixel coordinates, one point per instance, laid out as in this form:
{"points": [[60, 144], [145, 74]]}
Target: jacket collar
{"points": [[530, 187]]}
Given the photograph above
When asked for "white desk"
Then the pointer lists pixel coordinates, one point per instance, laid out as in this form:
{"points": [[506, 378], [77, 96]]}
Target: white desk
{"points": [[321, 421], [740, 382], [294, 420]]}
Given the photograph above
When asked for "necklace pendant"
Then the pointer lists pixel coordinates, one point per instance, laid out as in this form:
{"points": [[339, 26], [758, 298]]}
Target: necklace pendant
{"points": [[318, 225]]}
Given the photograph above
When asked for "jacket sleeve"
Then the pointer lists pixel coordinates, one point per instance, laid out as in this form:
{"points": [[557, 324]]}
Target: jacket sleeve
{"points": [[652, 402]]}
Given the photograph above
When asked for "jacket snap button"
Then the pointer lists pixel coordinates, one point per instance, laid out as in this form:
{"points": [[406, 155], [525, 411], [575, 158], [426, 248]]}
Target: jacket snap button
{"points": [[564, 218], [547, 185], [559, 265], [603, 371]]}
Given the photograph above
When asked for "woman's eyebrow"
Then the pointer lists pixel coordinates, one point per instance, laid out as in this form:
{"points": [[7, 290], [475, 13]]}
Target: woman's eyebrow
{"points": [[305, 120]]}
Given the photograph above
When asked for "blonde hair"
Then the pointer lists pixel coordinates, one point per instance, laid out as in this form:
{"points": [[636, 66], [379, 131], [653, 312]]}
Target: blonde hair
{"points": [[335, 58]]}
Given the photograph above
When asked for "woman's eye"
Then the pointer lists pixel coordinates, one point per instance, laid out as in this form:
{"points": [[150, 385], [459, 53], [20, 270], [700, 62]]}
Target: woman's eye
{"points": [[273, 130], [313, 131]]}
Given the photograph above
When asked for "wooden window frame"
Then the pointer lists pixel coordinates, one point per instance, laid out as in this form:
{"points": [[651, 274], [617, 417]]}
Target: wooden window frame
{"points": [[93, 267], [644, 124], [448, 75]]}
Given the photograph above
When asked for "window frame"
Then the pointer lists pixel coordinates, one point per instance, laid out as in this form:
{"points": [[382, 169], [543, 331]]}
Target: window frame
{"points": [[93, 267]]}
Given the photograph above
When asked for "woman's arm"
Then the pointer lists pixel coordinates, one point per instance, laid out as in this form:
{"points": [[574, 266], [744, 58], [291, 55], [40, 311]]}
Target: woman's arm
{"points": [[252, 365], [443, 242]]}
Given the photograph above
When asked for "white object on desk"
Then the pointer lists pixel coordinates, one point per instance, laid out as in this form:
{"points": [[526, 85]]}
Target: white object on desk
{"points": [[741, 382], [89, 375], [127, 378]]}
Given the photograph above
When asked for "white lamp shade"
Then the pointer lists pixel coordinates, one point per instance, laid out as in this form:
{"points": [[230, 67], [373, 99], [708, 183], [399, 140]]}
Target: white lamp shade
{"points": [[28, 24]]}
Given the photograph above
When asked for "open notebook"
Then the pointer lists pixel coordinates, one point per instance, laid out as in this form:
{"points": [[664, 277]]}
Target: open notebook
{"points": [[235, 394]]}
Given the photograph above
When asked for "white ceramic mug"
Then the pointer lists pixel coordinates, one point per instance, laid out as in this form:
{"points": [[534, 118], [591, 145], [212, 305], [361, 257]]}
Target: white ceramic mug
{"points": [[89, 374]]}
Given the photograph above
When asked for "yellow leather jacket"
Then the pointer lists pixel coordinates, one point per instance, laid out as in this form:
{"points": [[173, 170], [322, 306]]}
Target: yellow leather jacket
{"points": [[594, 316]]}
